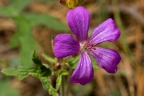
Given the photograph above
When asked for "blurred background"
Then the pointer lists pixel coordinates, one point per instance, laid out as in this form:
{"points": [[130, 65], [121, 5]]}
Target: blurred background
{"points": [[26, 25]]}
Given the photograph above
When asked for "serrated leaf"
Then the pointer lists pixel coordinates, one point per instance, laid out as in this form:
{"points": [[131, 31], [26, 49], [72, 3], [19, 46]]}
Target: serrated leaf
{"points": [[47, 86], [10, 72], [46, 20], [36, 59], [21, 73], [43, 70]]}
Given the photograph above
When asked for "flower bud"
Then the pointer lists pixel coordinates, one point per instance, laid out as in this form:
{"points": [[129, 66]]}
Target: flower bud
{"points": [[71, 3]]}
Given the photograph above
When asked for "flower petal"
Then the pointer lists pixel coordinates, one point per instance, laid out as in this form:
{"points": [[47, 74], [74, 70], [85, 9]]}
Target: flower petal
{"points": [[84, 71], [78, 21], [65, 45], [108, 59], [107, 31]]}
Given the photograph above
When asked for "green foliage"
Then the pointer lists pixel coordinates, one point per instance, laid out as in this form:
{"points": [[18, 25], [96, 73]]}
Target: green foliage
{"points": [[44, 19], [94, 63], [23, 38], [36, 59], [74, 61], [59, 79], [6, 11], [14, 7], [44, 74], [6, 89], [25, 22], [62, 72], [59, 73], [47, 86], [17, 5], [49, 59], [39, 71], [21, 73], [58, 82]]}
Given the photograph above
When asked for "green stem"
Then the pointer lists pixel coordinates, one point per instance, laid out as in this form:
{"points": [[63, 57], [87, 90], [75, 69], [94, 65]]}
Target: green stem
{"points": [[62, 91]]}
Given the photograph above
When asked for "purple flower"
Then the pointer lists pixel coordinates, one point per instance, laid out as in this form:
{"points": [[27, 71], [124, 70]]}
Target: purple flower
{"points": [[65, 45]]}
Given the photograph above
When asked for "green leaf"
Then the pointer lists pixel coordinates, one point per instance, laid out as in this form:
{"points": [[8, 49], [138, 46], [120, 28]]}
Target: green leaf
{"points": [[36, 59], [21, 73], [6, 11], [18, 5], [24, 39], [58, 82], [49, 59], [94, 63], [46, 20], [47, 86], [59, 79], [62, 72], [40, 72], [44, 71], [14, 7], [73, 62], [15, 42]]}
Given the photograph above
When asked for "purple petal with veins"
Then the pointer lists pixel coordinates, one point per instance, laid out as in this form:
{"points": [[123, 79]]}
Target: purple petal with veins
{"points": [[84, 71], [78, 21], [108, 59], [107, 31], [65, 45]]}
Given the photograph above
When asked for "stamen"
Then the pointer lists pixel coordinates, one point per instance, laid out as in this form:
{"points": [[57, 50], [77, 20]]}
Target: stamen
{"points": [[89, 46]]}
